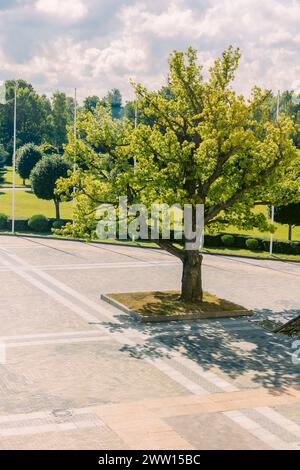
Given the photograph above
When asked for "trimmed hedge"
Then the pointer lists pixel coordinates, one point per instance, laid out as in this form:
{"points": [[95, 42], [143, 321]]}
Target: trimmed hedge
{"points": [[21, 225], [3, 222], [210, 241], [284, 247], [58, 224]]}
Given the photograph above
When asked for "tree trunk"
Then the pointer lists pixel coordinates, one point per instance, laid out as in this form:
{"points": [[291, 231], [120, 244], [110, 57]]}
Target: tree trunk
{"points": [[191, 283], [290, 233], [57, 211], [24, 182]]}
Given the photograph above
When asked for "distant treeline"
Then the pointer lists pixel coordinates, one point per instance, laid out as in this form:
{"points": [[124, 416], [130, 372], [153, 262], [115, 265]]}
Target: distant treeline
{"points": [[43, 120]]}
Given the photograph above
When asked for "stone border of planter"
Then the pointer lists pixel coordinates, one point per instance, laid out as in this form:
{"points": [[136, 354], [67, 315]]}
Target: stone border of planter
{"points": [[163, 318]]}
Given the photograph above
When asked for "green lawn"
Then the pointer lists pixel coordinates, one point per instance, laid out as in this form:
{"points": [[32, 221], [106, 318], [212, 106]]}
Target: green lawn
{"points": [[27, 204], [7, 176], [259, 254], [280, 234]]}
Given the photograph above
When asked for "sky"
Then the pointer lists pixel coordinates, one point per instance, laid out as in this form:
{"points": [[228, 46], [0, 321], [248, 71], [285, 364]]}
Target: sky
{"points": [[96, 45]]}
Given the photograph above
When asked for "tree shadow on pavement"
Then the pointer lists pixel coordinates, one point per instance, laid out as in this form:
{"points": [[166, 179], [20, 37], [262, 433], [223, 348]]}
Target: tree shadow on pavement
{"points": [[236, 346]]}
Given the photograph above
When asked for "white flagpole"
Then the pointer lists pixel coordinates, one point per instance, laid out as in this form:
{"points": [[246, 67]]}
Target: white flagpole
{"points": [[135, 126], [14, 161], [75, 138], [272, 207], [75, 113]]}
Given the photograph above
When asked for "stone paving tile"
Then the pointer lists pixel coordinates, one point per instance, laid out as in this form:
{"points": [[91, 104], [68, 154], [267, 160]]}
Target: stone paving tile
{"points": [[223, 401], [290, 411], [26, 310], [276, 429], [36, 252], [205, 384], [146, 432], [102, 438], [214, 431], [143, 399], [72, 375]]}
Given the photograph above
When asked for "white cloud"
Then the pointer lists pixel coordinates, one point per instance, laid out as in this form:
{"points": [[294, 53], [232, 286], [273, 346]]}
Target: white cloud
{"points": [[65, 9], [175, 20], [96, 44]]}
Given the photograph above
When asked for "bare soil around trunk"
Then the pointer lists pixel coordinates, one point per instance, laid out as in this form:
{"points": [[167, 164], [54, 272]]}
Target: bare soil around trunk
{"points": [[167, 305]]}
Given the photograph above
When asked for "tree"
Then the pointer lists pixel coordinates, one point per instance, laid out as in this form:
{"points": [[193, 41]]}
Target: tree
{"points": [[90, 103], [114, 100], [289, 104], [3, 159], [27, 157], [143, 117], [45, 176], [289, 215], [59, 119], [33, 116], [3, 156], [205, 146], [48, 149]]}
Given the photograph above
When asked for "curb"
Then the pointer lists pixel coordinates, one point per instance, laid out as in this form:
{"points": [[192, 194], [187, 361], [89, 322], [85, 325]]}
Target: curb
{"points": [[164, 318], [78, 240], [127, 245], [120, 306]]}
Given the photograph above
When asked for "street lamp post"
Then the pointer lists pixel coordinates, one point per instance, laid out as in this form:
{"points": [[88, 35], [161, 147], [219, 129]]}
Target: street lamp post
{"points": [[14, 160]]}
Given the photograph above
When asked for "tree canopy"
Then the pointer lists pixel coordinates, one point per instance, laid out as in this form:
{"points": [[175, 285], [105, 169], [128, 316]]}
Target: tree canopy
{"points": [[289, 214], [206, 145], [27, 157], [45, 175]]}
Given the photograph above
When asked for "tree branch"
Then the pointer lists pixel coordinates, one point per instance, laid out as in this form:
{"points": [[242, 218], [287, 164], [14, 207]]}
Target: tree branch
{"points": [[238, 195]]}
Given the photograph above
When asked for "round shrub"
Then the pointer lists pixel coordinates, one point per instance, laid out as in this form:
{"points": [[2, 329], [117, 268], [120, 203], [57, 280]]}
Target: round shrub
{"points": [[3, 222], [252, 244], [228, 240], [27, 157], [38, 223]]}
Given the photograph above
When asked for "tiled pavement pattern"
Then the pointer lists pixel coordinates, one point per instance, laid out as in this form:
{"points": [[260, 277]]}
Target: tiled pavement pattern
{"points": [[79, 374]]}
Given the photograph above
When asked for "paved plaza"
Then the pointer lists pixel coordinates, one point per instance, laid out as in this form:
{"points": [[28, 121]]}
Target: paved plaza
{"points": [[79, 374]]}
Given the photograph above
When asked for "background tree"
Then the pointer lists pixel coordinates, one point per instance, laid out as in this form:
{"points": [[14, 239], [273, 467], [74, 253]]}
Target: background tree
{"points": [[3, 160], [34, 112], [290, 105], [44, 177], [114, 100], [205, 147], [59, 117], [27, 157], [90, 103], [48, 149], [3, 156], [289, 215], [143, 117]]}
